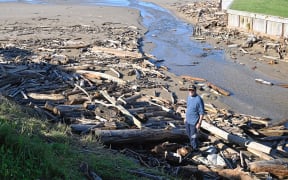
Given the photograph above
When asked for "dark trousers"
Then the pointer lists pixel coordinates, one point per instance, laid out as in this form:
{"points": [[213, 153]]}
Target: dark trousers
{"points": [[192, 134]]}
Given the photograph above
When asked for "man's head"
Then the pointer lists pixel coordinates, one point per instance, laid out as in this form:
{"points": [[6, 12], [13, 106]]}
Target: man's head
{"points": [[192, 89]]}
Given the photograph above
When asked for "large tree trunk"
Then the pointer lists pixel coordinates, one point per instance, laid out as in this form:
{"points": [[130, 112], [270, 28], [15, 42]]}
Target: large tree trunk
{"points": [[139, 136], [277, 167]]}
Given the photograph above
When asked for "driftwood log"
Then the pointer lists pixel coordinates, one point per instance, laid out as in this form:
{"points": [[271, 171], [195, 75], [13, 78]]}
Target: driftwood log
{"points": [[139, 136], [117, 52], [233, 173], [55, 97], [277, 167], [218, 89], [97, 75], [190, 78], [235, 139]]}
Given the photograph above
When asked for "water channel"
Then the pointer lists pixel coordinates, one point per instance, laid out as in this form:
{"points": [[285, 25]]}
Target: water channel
{"points": [[172, 42]]}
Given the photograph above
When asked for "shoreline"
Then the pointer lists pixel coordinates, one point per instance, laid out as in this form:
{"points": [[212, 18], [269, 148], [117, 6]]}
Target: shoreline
{"points": [[252, 61], [249, 60], [73, 14], [174, 4], [51, 22]]}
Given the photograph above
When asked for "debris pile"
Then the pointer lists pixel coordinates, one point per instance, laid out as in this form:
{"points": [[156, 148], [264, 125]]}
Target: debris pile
{"points": [[109, 89]]}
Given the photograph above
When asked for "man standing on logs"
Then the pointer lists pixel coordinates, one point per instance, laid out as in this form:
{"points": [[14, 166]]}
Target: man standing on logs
{"points": [[194, 115]]}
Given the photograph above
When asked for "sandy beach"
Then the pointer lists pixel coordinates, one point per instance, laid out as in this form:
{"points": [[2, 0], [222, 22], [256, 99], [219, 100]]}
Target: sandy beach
{"points": [[84, 66], [32, 21], [28, 15]]}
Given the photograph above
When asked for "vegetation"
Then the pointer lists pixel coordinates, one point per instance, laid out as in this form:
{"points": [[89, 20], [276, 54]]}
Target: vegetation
{"points": [[269, 7], [31, 149]]}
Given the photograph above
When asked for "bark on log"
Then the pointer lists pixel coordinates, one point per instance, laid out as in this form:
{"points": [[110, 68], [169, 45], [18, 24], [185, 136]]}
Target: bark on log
{"points": [[189, 172], [207, 172], [84, 128], [76, 100], [277, 167], [106, 112], [139, 136], [233, 174], [130, 99], [235, 139], [60, 109], [144, 109]]}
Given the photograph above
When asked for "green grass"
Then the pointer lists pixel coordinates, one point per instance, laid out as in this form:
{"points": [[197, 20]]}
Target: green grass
{"points": [[268, 7], [30, 148]]}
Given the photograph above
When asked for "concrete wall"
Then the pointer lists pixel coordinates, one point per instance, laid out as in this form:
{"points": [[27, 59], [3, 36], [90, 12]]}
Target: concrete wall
{"points": [[267, 25]]}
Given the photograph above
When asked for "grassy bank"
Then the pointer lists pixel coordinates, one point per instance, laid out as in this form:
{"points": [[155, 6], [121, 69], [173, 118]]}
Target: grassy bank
{"points": [[269, 7], [33, 149]]}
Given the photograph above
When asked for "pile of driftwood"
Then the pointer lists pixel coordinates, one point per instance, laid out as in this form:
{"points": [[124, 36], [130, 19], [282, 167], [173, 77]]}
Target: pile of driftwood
{"points": [[234, 146], [112, 91]]}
